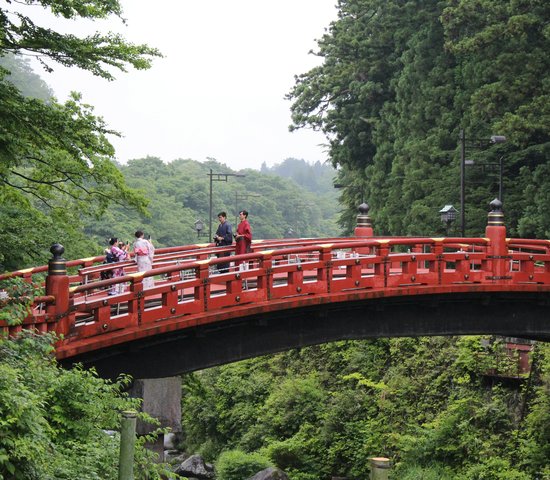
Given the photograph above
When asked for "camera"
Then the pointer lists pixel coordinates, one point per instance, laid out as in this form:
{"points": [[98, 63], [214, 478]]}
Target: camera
{"points": [[235, 236]]}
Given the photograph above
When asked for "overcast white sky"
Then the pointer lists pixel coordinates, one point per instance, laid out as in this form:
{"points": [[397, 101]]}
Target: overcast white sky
{"points": [[219, 91]]}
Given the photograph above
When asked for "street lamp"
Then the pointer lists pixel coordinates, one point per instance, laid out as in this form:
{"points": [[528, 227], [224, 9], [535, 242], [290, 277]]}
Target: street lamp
{"points": [[217, 177], [448, 215], [242, 196], [463, 162], [199, 226]]}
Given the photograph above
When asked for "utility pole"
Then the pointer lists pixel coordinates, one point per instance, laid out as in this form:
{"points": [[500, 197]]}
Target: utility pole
{"points": [[479, 143], [462, 183], [217, 177]]}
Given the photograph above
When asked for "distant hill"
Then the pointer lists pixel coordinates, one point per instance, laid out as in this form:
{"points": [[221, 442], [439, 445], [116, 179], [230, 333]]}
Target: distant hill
{"points": [[291, 199], [316, 177]]}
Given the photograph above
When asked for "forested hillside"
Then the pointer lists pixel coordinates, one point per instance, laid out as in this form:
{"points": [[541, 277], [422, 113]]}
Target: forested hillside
{"points": [[397, 83], [178, 194], [317, 177], [429, 404]]}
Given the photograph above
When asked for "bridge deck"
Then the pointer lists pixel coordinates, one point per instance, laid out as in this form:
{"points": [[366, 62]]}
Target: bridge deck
{"points": [[279, 276]]}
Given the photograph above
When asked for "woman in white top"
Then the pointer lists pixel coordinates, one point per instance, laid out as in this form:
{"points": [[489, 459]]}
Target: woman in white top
{"points": [[144, 252]]}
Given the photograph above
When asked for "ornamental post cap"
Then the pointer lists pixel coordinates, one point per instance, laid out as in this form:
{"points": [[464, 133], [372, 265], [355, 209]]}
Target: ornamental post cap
{"points": [[57, 250], [496, 205], [495, 216], [363, 208]]}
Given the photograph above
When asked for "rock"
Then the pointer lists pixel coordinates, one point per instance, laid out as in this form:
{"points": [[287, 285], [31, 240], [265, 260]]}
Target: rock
{"points": [[174, 457], [270, 474], [195, 467], [170, 441]]}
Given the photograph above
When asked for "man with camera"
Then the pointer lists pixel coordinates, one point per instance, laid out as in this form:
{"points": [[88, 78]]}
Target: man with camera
{"points": [[223, 237]]}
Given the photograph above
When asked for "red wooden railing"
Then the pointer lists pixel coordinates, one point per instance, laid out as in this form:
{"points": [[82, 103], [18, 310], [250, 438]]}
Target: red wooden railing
{"points": [[279, 274]]}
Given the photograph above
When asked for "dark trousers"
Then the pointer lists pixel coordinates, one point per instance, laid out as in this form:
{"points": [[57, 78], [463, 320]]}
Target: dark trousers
{"points": [[223, 267]]}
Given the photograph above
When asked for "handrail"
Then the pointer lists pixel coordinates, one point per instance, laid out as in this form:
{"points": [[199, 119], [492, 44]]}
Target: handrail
{"points": [[188, 285]]}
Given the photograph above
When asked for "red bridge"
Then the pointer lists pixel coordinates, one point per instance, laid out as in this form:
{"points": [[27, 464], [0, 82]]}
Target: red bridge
{"points": [[292, 293]]}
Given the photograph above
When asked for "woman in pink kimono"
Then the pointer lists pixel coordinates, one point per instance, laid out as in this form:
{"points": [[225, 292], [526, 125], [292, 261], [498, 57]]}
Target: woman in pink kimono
{"points": [[144, 251], [120, 253]]}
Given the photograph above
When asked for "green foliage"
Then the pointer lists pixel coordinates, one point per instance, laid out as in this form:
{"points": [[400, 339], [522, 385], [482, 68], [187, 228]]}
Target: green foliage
{"points": [[298, 455], [238, 465], [21, 75], [94, 53], [16, 299], [293, 403], [493, 469], [56, 163], [316, 177], [179, 193], [464, 430], [535, 438], [54, 422], [54, 153], [422, 402], [415, 472], [397, 83]]}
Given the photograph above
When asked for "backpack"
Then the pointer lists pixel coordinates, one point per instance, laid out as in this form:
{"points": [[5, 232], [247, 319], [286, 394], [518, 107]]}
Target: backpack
{"points": [[110, 257]]}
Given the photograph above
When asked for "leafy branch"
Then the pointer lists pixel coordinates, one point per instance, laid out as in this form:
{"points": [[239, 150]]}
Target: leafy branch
{"points": [[16, 299]]}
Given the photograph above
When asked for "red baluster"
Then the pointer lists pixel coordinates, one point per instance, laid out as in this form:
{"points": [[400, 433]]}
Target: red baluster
{"points": [[364, 227], [497, 252], [57, 284]]}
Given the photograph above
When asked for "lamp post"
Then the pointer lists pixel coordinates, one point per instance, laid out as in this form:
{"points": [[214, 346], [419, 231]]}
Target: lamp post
{"points": [[463, 162], [462, 182], [448, 215], [500, 188], [242, 196], [217, 177], [199, 225]]}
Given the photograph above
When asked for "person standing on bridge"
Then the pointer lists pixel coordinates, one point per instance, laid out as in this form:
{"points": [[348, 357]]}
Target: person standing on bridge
{"points": [[144, 251], [223, 238], [243, 237], [119, 253]]}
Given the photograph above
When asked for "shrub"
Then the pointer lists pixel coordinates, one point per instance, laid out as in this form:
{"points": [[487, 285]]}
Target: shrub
{"points": [[493, 469], [238, 465], [432, 472], [53, 421]]}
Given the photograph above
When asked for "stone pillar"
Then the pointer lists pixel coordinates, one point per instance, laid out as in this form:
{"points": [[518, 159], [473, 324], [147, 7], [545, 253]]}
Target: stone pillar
{"points": [[57, 285], [379, 468], [127, 446], [161, 399], [498, 249]]}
